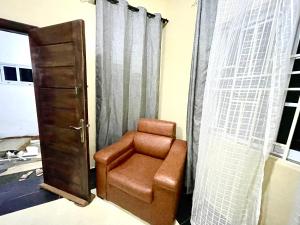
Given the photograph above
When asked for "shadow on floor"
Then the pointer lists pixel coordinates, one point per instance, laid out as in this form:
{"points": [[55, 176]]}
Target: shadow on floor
{"points": [[184, 209], [16, 195]]}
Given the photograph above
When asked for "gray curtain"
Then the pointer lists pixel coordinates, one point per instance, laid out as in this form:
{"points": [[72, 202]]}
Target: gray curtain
{"points": [[127, 69], [205, 22]]}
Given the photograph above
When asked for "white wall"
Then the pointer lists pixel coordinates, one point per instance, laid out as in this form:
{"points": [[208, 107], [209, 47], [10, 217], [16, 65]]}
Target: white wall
{"points": [[17, 111], [14, 48], [17, 101]]}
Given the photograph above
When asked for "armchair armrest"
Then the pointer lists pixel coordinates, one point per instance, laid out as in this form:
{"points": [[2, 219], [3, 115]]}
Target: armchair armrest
{"points": [[107, 156], [169, 175], [111, 152]]}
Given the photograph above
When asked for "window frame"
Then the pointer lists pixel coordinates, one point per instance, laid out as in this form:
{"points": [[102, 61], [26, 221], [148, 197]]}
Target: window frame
{"points": [[286, 148], [22, 67], [18, 81]]}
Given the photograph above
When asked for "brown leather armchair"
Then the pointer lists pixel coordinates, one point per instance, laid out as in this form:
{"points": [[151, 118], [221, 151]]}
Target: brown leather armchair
{"points": [[143, 171]]}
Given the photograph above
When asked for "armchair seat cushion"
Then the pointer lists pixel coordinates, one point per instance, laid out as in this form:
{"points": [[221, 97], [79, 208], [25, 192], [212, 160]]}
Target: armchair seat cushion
{"points": [[135, 176]]}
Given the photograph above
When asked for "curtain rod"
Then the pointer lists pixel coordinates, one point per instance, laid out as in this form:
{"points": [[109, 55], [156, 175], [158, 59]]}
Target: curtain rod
{"points": [[135, 9]]}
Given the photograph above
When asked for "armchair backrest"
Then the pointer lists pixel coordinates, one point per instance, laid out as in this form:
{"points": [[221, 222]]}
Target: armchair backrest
{"points": [[154, 137]]}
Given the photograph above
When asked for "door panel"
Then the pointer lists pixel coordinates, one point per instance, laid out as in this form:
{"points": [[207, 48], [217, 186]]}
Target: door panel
{"points": [[54, 55], [66, 179], [58, 63], [58, 77], [52, 155], [59, 98], [58, 181], [67, 140], [62, 118], [61, 171], [56, 34]]}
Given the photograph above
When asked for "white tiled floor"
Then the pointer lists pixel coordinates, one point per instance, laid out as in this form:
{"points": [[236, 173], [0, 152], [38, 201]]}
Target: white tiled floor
{"points": [[64, 212]]}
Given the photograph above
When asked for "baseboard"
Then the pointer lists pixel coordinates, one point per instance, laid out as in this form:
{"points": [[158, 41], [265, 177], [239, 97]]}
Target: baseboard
{"points": [[73, 198]]}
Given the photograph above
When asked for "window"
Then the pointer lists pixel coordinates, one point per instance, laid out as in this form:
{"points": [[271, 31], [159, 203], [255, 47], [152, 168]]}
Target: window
{"points": [[1, 74], [288, 139], [25, 75], [10, 73], [285, 124], [15, 74]]}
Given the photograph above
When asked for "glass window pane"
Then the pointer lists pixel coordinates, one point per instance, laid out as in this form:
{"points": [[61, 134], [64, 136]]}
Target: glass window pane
{"points": [[10, 73], [294, 156], [292, 96], [26, 75], [298, 49], [295, 81], [296, 65], [285, 124], [296, 138]]}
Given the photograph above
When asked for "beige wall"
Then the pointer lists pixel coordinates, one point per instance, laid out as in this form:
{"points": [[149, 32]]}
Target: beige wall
{"points": [[280, 191]]}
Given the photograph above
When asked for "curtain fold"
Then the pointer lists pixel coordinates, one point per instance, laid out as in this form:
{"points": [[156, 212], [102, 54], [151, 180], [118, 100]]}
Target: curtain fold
{"points": [[205, 22], [243, 100], [295, 215], [127, 69]]}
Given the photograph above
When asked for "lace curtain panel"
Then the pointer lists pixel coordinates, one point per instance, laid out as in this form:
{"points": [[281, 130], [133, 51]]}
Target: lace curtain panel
{"points": [[243, 100]]}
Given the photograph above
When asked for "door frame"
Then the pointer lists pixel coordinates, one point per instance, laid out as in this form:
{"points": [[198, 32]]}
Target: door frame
{"points": [[15, 27]]}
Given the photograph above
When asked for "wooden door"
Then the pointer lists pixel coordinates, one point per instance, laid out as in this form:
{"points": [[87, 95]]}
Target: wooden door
{"points": [[59, 73]]}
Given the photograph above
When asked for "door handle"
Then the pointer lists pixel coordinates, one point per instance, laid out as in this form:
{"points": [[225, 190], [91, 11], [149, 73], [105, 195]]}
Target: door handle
{"points": [[75, 128], [82, 130]]}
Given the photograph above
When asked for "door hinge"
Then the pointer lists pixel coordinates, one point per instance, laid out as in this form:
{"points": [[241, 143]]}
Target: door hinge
{"points": [[77, 89]]}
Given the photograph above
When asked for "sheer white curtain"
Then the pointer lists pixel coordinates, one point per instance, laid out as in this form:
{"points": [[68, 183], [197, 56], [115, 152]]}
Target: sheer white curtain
{"points": [[243, 99]]}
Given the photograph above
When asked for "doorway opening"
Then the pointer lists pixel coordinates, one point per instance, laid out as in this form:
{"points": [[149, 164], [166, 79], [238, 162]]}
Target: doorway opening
{"points": [[20, 155], [19, 135]]}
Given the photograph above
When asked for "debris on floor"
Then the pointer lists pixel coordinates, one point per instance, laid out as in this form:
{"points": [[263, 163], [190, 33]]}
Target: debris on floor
{"points": [[39, 172], [25, 176], [31, 151], [13, 144], [18, 151]]}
